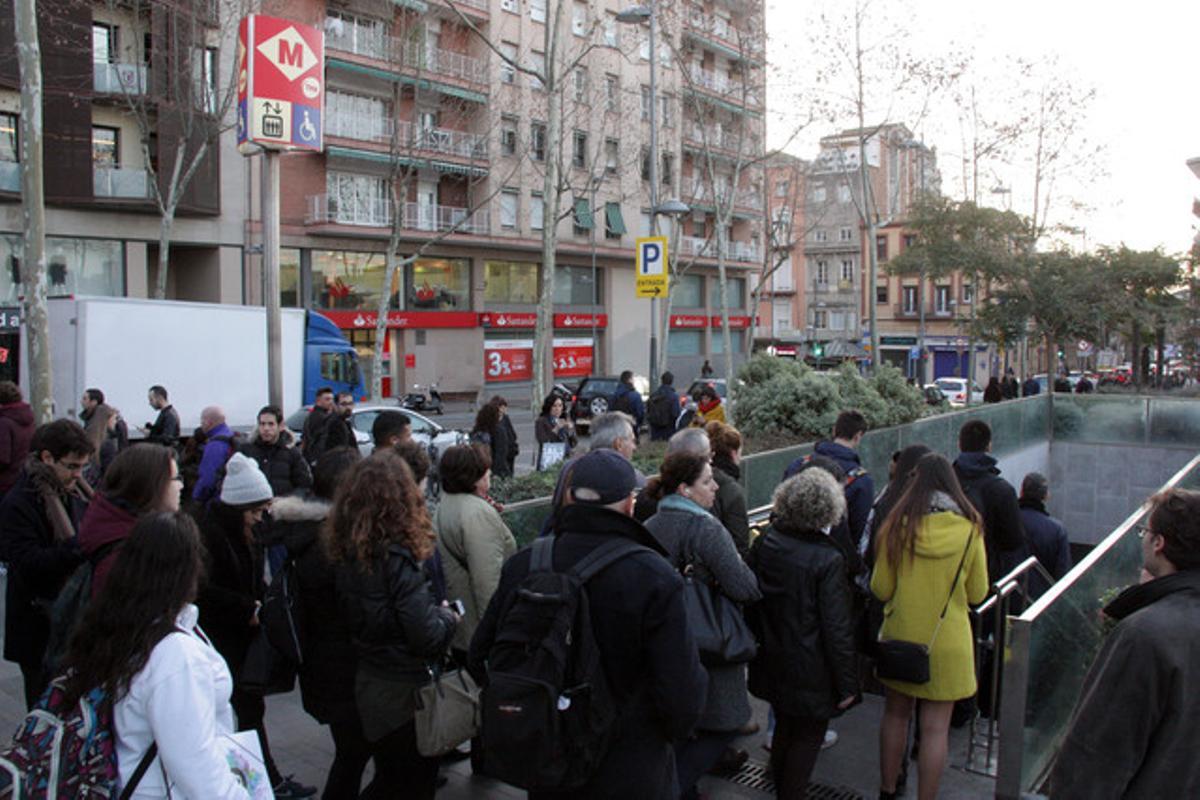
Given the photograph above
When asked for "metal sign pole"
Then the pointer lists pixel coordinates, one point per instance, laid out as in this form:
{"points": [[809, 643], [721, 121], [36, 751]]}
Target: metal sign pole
{"points": [[270, 221]]}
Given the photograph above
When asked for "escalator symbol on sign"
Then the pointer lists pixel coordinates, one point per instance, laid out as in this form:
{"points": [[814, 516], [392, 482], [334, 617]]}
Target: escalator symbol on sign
{"points": [[272, 126]]}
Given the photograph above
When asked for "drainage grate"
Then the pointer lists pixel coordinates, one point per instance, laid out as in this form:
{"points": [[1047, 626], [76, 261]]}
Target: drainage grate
{"points": [[756, 775]]}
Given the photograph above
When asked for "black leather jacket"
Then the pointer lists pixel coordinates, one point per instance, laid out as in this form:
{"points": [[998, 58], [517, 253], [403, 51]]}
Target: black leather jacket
{"points": [[395, 625], [806, 658]]}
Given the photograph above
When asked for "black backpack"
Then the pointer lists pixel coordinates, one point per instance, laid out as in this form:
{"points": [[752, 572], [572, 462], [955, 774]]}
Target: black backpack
{"points": [[660, 411], [69, 606], [548, 711], [622, 401]]}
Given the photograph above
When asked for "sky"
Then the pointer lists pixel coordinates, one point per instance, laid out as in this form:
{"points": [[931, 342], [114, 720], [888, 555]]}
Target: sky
{"points": [[1142, 59]]}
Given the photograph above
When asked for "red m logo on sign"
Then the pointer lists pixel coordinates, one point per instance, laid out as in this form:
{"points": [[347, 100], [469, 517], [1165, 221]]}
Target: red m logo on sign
{"points": [[291, 53]]}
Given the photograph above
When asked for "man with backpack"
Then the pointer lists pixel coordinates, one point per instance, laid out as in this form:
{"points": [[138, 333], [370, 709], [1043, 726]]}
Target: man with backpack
{"points": [[628, 400], [993, 497], [859, 487], [663, 409], [601, 597], [220, 444]]}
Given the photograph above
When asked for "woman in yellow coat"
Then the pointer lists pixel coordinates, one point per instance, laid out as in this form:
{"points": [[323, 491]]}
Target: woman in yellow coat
{"points": [[920, 546]]}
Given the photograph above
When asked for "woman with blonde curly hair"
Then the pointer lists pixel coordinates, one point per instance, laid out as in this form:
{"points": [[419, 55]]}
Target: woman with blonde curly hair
{"points": [[377, 535]]}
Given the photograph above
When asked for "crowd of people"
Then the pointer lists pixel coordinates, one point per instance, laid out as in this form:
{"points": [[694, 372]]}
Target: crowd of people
{"points": [[693, 617]]}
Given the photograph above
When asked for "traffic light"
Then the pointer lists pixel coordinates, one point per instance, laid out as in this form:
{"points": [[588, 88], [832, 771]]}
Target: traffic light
{"points": [[818, 350]]}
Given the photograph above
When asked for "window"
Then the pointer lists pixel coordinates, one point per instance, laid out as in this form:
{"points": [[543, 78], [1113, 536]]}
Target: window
{"points": [[881, 250], [781, 188], [510, 282], [612, 150], [614, 223], [685, 343], [847, 270], [537, 141], [822, 272], [9, 149], [105, 147], [582, 217], [910, 239], [736, 293], [968, 293], [643, 45], [204, 73], [538, 62], [356, 199], [843, 194], [510, 6], [581, 85], [508, 208], [537, 211], [881, 294], [837, 320], [357, 116], [646, 103], [579, 150], [537, 10], [909, 293], [104, 43], [612, 92], [688, 293], [577, 286], [361, 35], [667, 118], [508, 135], [941, 300], [820, 319], [645, 164], [610, 29], [818, 194], [579, 23], [668, 169], [736, 339], [845, 234], [820, 235], [439, 284], [348, 280], [508, 73]]}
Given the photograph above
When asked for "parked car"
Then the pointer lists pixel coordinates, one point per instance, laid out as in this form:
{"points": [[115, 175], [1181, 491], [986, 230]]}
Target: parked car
{"points": [[955, 390], [934, 396], [363, 417], [593, 396]]}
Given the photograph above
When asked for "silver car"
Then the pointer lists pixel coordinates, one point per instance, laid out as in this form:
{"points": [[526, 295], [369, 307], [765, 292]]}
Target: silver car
{"points": [[363, 417]]}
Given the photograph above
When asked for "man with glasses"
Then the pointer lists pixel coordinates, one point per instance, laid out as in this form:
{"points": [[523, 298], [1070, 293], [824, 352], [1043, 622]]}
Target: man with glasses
{"points": [[38, 522], [1136, 728], [339, 432]]}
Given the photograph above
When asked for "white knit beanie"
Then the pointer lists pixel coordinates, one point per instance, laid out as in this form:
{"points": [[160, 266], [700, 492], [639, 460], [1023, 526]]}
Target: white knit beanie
{"points": [[244, 484]]}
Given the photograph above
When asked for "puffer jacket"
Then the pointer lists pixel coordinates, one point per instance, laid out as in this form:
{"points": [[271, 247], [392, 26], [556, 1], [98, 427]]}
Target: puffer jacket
{"points": [[474, 543], [281, 462], [391, 617], [806, 662]]}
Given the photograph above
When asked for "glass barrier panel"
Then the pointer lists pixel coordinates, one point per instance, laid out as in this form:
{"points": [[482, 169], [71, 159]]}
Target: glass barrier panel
{"points": [[1174, 422], [1100, 419]]}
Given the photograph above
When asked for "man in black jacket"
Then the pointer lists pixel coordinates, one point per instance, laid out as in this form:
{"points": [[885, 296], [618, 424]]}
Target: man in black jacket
{"points": [[312, 441], [271, 448], [39, 519], [165, 430], [640, 625], [339, 432], [993, 497], [1135, 731], [1047, 537]]}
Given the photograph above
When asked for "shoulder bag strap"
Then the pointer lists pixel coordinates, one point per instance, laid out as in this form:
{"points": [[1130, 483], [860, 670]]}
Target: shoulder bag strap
{"points": [[140, 772], [953, 586], [542, 559]]}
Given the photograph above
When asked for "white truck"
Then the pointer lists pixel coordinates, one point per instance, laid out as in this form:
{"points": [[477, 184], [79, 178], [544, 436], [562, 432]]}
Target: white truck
{"points": [[202, 353]]}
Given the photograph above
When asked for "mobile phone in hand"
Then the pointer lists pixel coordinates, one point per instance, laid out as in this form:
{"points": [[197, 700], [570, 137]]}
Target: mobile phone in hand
{"points": [[458, 608]]}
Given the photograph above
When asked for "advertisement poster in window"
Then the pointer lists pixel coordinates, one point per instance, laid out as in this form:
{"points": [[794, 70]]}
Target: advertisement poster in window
{"points": [[508, 360], [572, 358]]}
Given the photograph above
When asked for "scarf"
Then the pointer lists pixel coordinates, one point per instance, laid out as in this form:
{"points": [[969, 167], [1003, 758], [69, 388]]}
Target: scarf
{"points": [[55, 498], [709, 404]]}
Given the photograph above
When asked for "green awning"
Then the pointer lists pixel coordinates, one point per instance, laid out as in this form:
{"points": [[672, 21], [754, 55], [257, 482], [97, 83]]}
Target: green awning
{"points": [[583, 214], [377, 157], [363, 69], [713, 44], [722, 104], [415, 5], [612, 213]]}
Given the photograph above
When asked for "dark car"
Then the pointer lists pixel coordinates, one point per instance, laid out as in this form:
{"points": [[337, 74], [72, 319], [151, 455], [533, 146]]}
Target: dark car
{"points": [[591, 399]]}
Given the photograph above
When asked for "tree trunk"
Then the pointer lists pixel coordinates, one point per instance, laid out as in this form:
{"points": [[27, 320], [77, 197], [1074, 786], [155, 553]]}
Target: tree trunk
{"points": [[33, 264], [1160, 342], [544, 329], [726, 334], [166, 224], [1136, 360]]}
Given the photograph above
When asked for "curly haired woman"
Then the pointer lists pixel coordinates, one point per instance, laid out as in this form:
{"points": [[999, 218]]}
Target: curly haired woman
{"points": [[377, 535]]}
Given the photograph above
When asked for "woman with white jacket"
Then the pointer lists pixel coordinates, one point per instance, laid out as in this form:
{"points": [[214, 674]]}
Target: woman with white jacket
{"points": [[140, 640]]}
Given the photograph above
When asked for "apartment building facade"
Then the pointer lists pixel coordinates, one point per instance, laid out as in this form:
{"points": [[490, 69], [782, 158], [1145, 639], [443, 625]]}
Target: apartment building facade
{"points": [[782, 309], [436, 144]]}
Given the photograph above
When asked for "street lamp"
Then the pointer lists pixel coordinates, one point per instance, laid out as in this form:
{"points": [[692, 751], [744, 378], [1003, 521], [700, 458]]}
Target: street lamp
{"points": [[636, 15]]}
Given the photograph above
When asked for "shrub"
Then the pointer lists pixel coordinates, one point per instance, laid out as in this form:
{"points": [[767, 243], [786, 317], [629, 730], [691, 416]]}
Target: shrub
{"points": [[904, 403], [860, 394], [803, 406], [525, 487]]}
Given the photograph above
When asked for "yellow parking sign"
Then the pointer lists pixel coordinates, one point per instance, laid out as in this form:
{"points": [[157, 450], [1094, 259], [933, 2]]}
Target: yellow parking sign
{"points": [[652, 266]]}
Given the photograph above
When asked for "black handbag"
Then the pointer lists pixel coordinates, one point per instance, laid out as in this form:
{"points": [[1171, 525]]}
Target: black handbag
{"points": [[265, 671], [718, 625], [898, 660]]}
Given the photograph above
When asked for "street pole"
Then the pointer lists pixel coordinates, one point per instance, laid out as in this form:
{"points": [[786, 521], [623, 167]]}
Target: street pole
{"points": [[653, 191], [270, 218]]}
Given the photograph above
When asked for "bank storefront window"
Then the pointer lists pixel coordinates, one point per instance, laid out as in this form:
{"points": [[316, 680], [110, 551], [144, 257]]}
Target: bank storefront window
{"points": [[578, 286], [440, 284], [510, 282], [73, 266], [345, 279]]}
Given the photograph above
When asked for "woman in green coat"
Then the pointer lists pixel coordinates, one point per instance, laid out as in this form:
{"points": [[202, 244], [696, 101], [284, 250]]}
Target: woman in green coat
{"points": [[921, 545]]}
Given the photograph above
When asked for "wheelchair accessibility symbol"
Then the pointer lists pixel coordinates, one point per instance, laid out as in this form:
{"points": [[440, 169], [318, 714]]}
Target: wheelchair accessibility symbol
{"points": [[308, 131]]}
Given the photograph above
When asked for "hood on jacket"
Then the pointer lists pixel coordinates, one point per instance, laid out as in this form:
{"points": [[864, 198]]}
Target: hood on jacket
{"points": [[976, 465], [847, 459], [285, 439], [292, 508], [106, 520], [941, 535], [20, 413]]}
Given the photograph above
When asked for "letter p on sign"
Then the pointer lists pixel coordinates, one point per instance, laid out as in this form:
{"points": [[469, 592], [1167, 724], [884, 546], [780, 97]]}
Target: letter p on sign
{"points": [[652, 266]]}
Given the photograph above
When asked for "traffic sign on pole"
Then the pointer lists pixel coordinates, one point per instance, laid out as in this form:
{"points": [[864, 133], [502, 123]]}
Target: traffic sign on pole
{"points": [[281, 85], [652, 266]]}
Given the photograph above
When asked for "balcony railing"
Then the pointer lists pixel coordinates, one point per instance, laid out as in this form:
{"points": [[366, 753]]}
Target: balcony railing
{"points": [[361, 41], [443, 140], [10, 176], [361, 127], [718, 83], [368, 43], [707, 248], [699, 192], [116, 182], [443, 218], [445, 62], [119, 78]]}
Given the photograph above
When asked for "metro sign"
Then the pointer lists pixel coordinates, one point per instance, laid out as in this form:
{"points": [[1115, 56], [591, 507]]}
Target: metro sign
{"points": [[281, 90]]}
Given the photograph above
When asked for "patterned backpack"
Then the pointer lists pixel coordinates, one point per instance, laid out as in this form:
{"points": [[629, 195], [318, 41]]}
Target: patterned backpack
{"points": [[59, 752]]}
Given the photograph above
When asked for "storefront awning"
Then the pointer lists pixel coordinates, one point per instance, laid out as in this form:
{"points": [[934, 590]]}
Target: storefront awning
{"points": [[583, 214], [616, 223]]}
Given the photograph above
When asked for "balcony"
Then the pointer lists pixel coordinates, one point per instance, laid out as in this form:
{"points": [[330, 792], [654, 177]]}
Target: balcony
{"points": [[444, 62], [721, 35], [374, 44], [715, 137], [128, 184], [119, 78], [697, 191], [445, 218], [720, 84], [359, 41], [360, 127], [906, 311], [443, 140], [10, 176], [707, 248]]}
